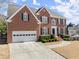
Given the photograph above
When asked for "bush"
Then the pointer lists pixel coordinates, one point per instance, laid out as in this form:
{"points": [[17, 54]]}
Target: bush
{"points": [[44, 40], [52, 36], [66, 39], [45, 37], [66, 36]]}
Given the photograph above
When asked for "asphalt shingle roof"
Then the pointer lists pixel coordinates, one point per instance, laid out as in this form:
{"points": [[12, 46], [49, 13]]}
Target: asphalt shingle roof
{"points": [[13, 8]]}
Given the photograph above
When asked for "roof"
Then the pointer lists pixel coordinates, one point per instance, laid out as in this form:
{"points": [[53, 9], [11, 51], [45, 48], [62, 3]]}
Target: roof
{"points": [[33, 10], [2, 17], [52, 14], [9, 19], [12, 9]]}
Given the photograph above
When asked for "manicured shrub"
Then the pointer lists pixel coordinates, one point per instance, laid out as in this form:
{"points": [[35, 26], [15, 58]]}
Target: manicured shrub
{"points": [[66, 39], [44, 40], [66, 36], [45, 37], [52, 36]]}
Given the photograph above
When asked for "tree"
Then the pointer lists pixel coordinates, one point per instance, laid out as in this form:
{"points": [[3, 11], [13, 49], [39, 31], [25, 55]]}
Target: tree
{"points": [[70, 25], [3, 26]]}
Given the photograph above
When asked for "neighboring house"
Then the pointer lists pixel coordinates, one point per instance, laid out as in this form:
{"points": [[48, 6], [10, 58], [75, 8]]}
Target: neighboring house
{"points": [[73, 30], [27, 24], [2, 17]]}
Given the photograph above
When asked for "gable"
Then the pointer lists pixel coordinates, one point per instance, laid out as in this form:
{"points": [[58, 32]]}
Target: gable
{"points": [[44, 11], [19, 11]]}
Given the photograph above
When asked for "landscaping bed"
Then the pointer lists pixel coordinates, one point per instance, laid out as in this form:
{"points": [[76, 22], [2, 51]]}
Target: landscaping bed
{"points": [[48, 38]]}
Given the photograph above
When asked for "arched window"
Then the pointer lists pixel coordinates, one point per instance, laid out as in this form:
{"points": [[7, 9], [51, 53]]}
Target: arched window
{"points": [[53, 21]]}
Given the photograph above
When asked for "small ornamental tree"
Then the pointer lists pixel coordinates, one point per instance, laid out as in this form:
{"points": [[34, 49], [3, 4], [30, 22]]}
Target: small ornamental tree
{"points": [[3, 26]]}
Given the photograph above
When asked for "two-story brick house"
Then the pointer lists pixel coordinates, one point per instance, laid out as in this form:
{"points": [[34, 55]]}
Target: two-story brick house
{"points": [[27, 24], [52, 23]]}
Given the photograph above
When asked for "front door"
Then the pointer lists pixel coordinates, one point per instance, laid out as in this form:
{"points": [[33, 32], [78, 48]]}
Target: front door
{"points": [[53, 31]]}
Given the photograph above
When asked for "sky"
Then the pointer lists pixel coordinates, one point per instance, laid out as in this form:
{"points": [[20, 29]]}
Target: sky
{"points": [[66, 8]]}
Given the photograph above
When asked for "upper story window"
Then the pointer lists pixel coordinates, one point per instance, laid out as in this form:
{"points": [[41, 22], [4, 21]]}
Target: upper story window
{"points": [[44, 19], [61, 21], [25, 16], [53, 21], [64, 21]]}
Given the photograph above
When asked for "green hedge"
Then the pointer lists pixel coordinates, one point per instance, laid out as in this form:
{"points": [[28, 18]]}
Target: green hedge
{"points": [[44, 40], [47, 38], [66, 39], [52, 36], [66, 36]]}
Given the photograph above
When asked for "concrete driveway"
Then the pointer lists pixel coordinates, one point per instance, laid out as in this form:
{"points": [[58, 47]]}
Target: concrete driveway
{"points": [[32, 50]]}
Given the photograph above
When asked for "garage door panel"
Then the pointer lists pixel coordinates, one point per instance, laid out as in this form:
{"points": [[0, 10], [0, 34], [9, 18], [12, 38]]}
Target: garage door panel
{"points": [[24, 36]]}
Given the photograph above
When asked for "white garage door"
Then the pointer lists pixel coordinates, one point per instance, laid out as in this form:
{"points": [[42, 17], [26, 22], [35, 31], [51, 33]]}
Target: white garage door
{"points": [[24, 36]]}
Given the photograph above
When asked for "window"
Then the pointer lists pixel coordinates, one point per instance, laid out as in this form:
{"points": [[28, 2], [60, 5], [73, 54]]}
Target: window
{"points": [[45, 31], [14, 35], [44, 19], [25, 16], [61, 31], [53, 22], [61, 21], [64, 21], [20, 34], [23, 34]]}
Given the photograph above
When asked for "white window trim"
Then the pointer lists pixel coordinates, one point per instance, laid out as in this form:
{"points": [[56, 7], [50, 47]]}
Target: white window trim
{"points": [[44, 28], [59, 30], [59, 21], [25, 14], [63, 21], [44, 19]]}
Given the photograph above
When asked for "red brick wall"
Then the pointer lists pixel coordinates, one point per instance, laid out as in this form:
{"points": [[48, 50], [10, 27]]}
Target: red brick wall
{"points": [[44, 12], [18, 25]]}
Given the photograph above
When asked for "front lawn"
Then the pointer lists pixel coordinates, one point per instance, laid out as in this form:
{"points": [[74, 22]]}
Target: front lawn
{"points": [[70, 51], [4, 51]]}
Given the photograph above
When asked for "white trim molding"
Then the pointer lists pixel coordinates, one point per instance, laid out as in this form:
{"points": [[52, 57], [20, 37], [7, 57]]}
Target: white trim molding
{"points": [[42, 9], [59, 30], [59, 21]]}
